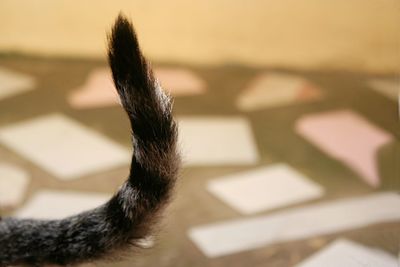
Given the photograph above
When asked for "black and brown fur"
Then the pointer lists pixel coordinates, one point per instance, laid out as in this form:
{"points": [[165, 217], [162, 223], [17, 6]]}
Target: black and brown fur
{"points": [[133, 211]]}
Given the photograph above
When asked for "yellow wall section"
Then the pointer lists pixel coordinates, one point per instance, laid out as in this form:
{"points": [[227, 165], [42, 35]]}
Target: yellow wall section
{"points": [[357, 35]]}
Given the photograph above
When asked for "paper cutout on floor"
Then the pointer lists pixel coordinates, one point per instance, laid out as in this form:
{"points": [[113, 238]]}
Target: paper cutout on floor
{"points": [[13, 83], [63, 147], [348, 137], [13, 184], [264, 188], [234, 236], [217, 141], [345, 253], [388, 88], [49, 204], [180, 81], [274, 89], [97, 91]]}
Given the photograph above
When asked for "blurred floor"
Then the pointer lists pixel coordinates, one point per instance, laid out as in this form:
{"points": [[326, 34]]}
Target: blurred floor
{"points": [[273, 128]]}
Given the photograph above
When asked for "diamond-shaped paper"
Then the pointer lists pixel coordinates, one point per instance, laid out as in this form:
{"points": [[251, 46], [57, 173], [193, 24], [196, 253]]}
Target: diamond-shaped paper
{"points": [[63, 146]]}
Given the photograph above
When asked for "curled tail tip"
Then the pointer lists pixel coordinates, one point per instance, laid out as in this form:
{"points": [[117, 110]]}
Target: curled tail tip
{"points": [[123, 46], [131, 72], [121, 29]]}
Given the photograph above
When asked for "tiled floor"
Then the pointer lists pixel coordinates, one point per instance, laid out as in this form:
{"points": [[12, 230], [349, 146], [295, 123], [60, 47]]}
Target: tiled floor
{"points": [[255, 190]]}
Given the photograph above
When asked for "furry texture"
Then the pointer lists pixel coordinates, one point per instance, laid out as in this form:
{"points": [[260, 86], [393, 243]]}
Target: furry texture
{"points": [[131, 213]]}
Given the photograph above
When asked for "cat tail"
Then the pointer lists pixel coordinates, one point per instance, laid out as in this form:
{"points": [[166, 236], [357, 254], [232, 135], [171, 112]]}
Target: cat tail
{"points": [[132, 212]]}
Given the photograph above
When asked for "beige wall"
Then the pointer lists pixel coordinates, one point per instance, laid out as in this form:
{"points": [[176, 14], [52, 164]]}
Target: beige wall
{"points": [[358, 35]]}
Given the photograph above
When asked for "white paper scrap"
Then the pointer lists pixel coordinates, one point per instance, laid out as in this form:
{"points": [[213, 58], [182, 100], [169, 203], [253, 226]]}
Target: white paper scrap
{"points": [[217, 141], [264, 188], [297, 223], [345, 253]]}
